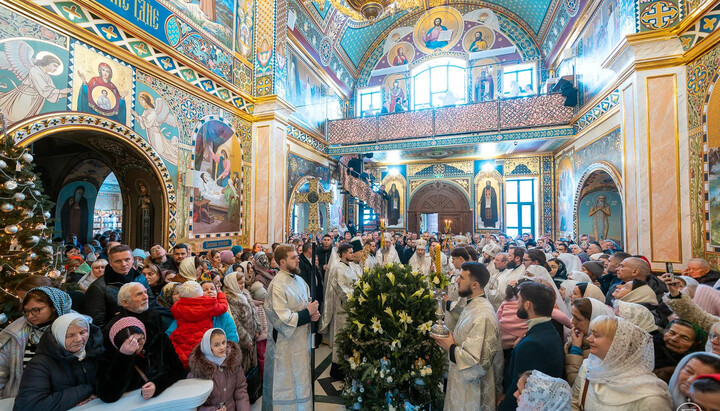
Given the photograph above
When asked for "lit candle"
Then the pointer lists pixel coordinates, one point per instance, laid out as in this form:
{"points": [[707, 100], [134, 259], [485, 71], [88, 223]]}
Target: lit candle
{"points": [[438, 259], [382, 223]]}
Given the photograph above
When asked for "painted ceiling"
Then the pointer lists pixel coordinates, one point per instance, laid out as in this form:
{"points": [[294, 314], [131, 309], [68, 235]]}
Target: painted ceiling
{"points": [[474, 151], [345, 44]]}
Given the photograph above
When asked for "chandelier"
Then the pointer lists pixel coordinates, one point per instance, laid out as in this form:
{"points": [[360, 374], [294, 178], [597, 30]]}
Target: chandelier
{"points": [[369, 10]]}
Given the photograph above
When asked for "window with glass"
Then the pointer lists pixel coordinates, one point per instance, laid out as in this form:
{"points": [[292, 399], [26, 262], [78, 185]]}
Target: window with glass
{"points": [[369, 101], [520, 206], [439, 82], [520, 76]]}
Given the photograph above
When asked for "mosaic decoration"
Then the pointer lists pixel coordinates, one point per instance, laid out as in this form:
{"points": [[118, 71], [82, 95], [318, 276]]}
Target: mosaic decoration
{"points": [[691, 5], [558, 132], [610, 101], [306, 138], [606, 149], [658, 14], [15, 25], [705, 26], [111, 33], [537, 111], [440, 170], [298, 168], [566, 14], [548, 194], [243, 77], [65, 120], [467, 119], [521, 166]]}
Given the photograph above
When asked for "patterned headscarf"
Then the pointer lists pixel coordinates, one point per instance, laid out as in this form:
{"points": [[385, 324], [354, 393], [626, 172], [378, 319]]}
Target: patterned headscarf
{"points": [[123, 323], [60, 299], [165, 298]]}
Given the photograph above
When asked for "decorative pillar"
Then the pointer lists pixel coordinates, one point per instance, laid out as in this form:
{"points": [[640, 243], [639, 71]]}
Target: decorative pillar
{"points": [[270, 40]]}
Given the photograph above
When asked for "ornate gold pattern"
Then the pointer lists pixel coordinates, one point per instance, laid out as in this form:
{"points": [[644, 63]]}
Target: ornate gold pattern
{"points": [[314, 197], [532, 163]]}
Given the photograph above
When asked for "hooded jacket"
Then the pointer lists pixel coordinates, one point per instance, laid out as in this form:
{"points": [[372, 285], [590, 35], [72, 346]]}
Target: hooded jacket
{"points": [[56, 379], [194, 317], [229, 384]]}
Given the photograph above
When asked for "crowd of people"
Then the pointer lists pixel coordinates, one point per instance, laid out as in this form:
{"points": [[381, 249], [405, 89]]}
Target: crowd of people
{"points": [[535, 324]]}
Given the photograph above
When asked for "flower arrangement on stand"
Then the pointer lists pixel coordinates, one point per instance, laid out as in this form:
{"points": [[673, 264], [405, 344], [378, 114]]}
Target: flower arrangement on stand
{"points": [[390, 361]]}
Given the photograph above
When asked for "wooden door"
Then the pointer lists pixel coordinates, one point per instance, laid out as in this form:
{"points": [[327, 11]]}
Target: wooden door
{"points": [[448, 201]]}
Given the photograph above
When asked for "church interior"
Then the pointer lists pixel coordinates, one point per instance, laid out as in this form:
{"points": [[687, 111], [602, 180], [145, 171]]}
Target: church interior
{"points": [[221, 123]]}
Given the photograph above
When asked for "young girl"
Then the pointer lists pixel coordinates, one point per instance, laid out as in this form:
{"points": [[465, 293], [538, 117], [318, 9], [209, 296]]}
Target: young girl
{"points": [[218, 359]]}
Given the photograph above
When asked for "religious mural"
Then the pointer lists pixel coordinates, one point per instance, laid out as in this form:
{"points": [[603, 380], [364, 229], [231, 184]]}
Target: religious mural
{"points": [[156, 121], [484, 77], [489, 200], [314, 100], [244, 27], [600, 216], [439, 29], [395, 92], [612, 20], [565, 192], [396, 188], [102, 85], [74, 210], [217, 179], [401, 54], [33, 79], [478, 39], [215, 17]]}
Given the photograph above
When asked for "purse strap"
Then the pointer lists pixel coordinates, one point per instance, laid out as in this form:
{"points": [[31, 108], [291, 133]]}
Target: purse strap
{"points": [[142, 374], [584, 394]]}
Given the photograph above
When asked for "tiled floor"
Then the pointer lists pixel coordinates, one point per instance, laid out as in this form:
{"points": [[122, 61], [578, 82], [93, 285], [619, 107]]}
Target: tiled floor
{"points": [[327, 391]]}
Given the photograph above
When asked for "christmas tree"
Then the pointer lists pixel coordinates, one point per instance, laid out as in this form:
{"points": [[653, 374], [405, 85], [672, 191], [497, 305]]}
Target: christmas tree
{"points": [[390, 362], [24, 223]]}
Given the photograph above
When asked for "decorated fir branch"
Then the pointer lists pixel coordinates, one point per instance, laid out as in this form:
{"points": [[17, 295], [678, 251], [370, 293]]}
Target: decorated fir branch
{"points": [[390, 362], [24, 223]]}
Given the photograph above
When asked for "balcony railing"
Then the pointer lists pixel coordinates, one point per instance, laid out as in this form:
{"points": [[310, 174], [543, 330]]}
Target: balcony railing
{"points": [[543, 110], [360, 189]]}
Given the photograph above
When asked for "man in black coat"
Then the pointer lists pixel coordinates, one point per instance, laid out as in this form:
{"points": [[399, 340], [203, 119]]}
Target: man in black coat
{"points": [[541, 348], [306, 272], [323, 254], [101, 297]]}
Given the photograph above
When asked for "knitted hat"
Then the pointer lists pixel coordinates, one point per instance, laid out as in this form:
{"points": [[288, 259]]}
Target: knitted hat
{"points": [[227, 257], [60, 299], [138, 253], [357, 244], [236, 249], [123, 323], [596, 268]]}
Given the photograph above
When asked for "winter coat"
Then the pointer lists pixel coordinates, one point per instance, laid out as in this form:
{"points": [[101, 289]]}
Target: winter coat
{"points": [[229, 385], [194, 316], [158, 361], [573, 362], [224, 321], [13, 340], [57, 380], [101, 297], [248, 324]]}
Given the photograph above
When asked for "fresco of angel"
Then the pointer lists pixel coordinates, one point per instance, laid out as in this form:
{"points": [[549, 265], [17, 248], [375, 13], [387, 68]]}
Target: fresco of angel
{"points": [[36, 85], [156, 115]]}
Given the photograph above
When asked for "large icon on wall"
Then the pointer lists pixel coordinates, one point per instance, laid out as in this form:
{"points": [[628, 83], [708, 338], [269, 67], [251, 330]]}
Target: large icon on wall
{"points": [[600, 215], [155, 117], [218, 185], [32, 79], [396, 96], [102, 85], [488, 199], [400, 54], [396, 188], [565, 193], [439, 29], [478, 39], [214, 17], [74, 210]]}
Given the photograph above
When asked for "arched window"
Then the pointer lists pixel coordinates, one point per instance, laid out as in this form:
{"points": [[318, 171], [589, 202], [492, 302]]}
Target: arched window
{"points": [[439, 82]]}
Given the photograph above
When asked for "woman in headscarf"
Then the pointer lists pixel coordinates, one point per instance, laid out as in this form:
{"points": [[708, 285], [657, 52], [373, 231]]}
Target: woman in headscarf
{"points": [[557, 270], [594, 269], [259, 293], [636, 314], [684, 307], [219, 360], [261, 265], [688, 369], [62, 374], [577, 349], [566, 290], [681, 337], [243, 311], [138, 360], [191, 268], [19, 340], [580, 277], [635, 291], [169, 294], [618, 375], [587, 290], [537, 391]]}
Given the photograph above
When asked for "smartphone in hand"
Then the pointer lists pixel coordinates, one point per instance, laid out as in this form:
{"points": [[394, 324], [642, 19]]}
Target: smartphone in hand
{"points": [[669, 269]]}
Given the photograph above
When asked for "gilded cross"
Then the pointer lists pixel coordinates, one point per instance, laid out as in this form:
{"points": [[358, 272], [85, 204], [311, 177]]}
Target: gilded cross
{"points": [[314, 197]]}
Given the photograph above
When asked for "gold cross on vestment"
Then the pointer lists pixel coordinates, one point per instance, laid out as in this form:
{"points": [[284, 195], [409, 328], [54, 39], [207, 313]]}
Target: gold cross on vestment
{"points": [[314, 197]]}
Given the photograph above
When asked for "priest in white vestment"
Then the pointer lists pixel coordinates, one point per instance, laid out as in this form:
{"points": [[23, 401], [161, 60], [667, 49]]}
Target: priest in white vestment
{"points": [[476, 360], [489, 251], [454, 304], [341, 281], [288, 374], [420, 260], [496, 290], [388, 254]]}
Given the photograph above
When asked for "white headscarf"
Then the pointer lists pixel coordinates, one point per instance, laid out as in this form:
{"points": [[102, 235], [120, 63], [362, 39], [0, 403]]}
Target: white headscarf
{"points": [[579, 276], [233, 287], [572, 262], [538, 271], [636, 314], [207, 350], [569, 286], [677, 396], [691, 285], [59, 330], [545, 393], [626, 371]]}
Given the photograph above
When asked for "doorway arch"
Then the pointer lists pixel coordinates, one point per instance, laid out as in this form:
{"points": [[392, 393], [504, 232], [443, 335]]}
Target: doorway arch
{"points": [[445, 199], [600, 180], [81, 128]]}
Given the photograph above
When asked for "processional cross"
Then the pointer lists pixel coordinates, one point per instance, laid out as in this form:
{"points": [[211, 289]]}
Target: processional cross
{"points": [[314, 197]]}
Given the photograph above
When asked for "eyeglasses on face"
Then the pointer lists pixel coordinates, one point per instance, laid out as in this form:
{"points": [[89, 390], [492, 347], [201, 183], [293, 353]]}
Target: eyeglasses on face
{"points": [[33, 311]]}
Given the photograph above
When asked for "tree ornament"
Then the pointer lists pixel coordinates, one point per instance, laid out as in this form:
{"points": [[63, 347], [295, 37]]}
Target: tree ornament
{"points": [[53, 274], [29, 214], [32, 185], [32, 256], [36, 193], [40, 226], [47, 249], [32, 240], [11, 229], [2, 164], [27, 157], [19, 196], [7, 207], [46, 214], [11, 185], [22, 268]]}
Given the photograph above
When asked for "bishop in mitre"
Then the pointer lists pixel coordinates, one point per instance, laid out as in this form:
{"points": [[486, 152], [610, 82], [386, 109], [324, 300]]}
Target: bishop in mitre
{"points": [[420, 260], [476, 360], [287, 375], [341, 281], [388, 254]]}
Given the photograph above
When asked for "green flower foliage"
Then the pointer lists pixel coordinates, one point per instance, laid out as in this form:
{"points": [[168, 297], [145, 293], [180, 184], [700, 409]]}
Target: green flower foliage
{"points": [[390, 362]]}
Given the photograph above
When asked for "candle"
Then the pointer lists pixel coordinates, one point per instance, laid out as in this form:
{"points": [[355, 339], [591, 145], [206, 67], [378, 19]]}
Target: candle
{"points": [[438, 259], [382, 223]]}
